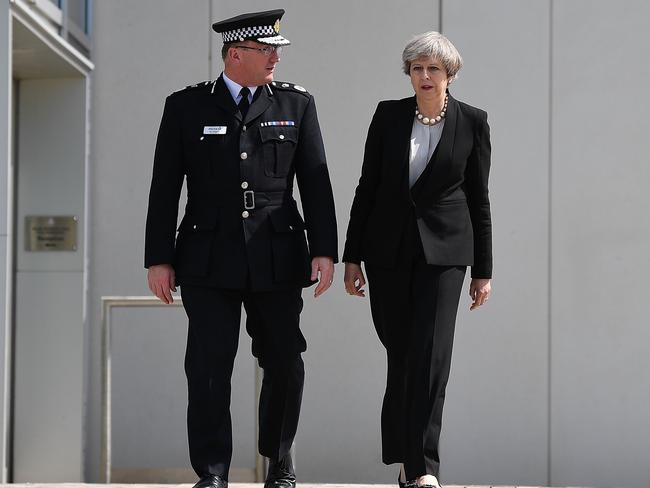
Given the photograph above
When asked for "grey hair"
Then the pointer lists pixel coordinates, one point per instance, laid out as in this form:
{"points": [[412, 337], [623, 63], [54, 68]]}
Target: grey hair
{"points": [[224, 50], [432, 44]]}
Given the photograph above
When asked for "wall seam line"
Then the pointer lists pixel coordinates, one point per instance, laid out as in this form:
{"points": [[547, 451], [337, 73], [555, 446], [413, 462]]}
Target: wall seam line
{"points": [[210, 53], [549, 473]]}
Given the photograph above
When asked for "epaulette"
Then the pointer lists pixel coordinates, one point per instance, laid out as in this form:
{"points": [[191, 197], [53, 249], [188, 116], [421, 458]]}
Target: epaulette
{"points": [[195, 86], [283, 85]]}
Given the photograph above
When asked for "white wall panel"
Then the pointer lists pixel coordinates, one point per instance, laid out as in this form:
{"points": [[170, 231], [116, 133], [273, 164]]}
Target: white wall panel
{"points": [[50, 166], [148, 385], [5, 104], [5, 370], [49, 376], [601, 236], [496, 414], [5, 134], [49, 334]]}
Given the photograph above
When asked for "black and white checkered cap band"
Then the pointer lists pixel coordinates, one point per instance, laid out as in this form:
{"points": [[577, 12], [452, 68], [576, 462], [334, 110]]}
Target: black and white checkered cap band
{"points": [[248, 32]]}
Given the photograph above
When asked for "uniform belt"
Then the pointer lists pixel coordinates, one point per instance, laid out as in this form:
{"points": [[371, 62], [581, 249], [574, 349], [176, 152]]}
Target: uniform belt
{"points": [[258, 199]]}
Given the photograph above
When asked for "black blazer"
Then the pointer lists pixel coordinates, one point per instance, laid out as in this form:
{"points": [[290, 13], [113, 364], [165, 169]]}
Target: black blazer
{"points": [[450, 198], [241, 225]]}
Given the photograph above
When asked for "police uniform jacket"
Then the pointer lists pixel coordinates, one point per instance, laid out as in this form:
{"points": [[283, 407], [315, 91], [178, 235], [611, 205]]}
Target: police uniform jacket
{"points": [[241, 226], [449, 200]]}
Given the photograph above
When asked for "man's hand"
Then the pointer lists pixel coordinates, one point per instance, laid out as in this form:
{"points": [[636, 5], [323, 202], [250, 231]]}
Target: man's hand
{"points": [[162, 281], [325, 266], [479, 290], [354, 280]]}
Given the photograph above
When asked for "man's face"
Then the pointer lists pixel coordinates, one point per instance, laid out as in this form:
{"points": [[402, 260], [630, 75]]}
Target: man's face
{"points": [[255, 67]]}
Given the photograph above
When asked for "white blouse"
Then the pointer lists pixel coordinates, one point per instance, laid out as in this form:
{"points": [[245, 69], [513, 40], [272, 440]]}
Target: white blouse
{"points": [[424, 140]]}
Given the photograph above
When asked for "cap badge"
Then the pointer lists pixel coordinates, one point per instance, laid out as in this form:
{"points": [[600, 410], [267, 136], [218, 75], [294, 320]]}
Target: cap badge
{"points": [[276, 26]]}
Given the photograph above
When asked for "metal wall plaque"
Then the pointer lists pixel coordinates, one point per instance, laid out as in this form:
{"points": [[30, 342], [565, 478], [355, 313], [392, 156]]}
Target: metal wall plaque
{"points": [[51, 233]]}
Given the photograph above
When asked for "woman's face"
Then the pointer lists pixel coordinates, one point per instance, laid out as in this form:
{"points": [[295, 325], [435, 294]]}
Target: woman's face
{"points": [[429, 78]]}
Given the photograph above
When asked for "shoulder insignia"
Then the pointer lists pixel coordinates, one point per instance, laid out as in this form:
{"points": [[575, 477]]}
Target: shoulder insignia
{"points": [[284, 85], [195, 86]]}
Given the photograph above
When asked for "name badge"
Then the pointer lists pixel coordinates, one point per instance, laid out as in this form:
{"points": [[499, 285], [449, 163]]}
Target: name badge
{"points": [[214, 129]]}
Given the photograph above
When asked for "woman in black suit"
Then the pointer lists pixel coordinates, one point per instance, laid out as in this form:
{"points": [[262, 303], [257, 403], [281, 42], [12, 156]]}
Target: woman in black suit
{"points": [[420, 215]]}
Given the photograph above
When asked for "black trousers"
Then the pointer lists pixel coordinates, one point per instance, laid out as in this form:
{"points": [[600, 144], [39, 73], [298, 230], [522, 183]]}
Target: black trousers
{"points": [[414, 309], [272, 321]]}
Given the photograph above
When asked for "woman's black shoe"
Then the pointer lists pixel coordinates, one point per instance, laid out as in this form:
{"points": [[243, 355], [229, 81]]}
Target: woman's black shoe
{"points": [[406, 484]]}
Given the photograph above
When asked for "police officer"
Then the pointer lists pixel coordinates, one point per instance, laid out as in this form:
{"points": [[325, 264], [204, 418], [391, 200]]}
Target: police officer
{"points": [[239, 141]]}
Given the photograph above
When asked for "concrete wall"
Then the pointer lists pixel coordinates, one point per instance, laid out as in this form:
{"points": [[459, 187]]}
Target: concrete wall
{"points": [[547, 384], [162, 46], [5, 158], [599, 244], [49, 335], [496, 416]]}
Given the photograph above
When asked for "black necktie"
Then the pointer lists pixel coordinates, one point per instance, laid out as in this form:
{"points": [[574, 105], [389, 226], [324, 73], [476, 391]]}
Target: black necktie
{"points": [[243, 103]]}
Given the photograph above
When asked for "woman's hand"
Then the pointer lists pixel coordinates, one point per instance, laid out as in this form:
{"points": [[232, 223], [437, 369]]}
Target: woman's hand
{"points": [[354, 280], [479, 291]]}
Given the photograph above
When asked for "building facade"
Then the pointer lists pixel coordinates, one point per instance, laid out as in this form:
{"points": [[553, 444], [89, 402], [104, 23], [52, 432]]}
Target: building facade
{"points": [[44, 99], [548, 383]]}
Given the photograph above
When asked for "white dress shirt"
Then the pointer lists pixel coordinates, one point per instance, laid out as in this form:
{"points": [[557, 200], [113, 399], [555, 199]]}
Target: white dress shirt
{"points": [[234, 88]]}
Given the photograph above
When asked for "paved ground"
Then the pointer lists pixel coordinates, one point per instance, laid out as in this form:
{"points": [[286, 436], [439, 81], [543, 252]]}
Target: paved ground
{"points": [[231, 485]]}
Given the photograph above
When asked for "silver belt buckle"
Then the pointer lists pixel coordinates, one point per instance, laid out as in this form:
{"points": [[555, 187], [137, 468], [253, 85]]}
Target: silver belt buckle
{"points": [[247, 194]]}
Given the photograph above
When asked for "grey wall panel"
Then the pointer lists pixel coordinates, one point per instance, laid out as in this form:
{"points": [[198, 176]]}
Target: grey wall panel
{"points": [[496, 415], [50, 167], [5, 134], [5, 104], [147, 376], [49, 375], [49, 334], [5, 377], [143, 51], [601, 236], [149, 399], [348, 55]]}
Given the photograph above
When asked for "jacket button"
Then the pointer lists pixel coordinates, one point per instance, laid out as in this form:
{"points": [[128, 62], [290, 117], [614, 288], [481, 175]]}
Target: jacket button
{"points": [[245, 214], [194, 227], [243, 155], [243, 128], [244, 184], [281, 136]]}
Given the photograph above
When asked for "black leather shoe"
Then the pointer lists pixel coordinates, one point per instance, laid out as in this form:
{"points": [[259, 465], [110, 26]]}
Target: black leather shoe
{"points": [[211, 481], [281, 474], [407, 483]]}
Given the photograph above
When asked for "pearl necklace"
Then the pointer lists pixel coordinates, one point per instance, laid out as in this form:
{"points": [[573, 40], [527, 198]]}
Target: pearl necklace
{"points": [[434, 120]]}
